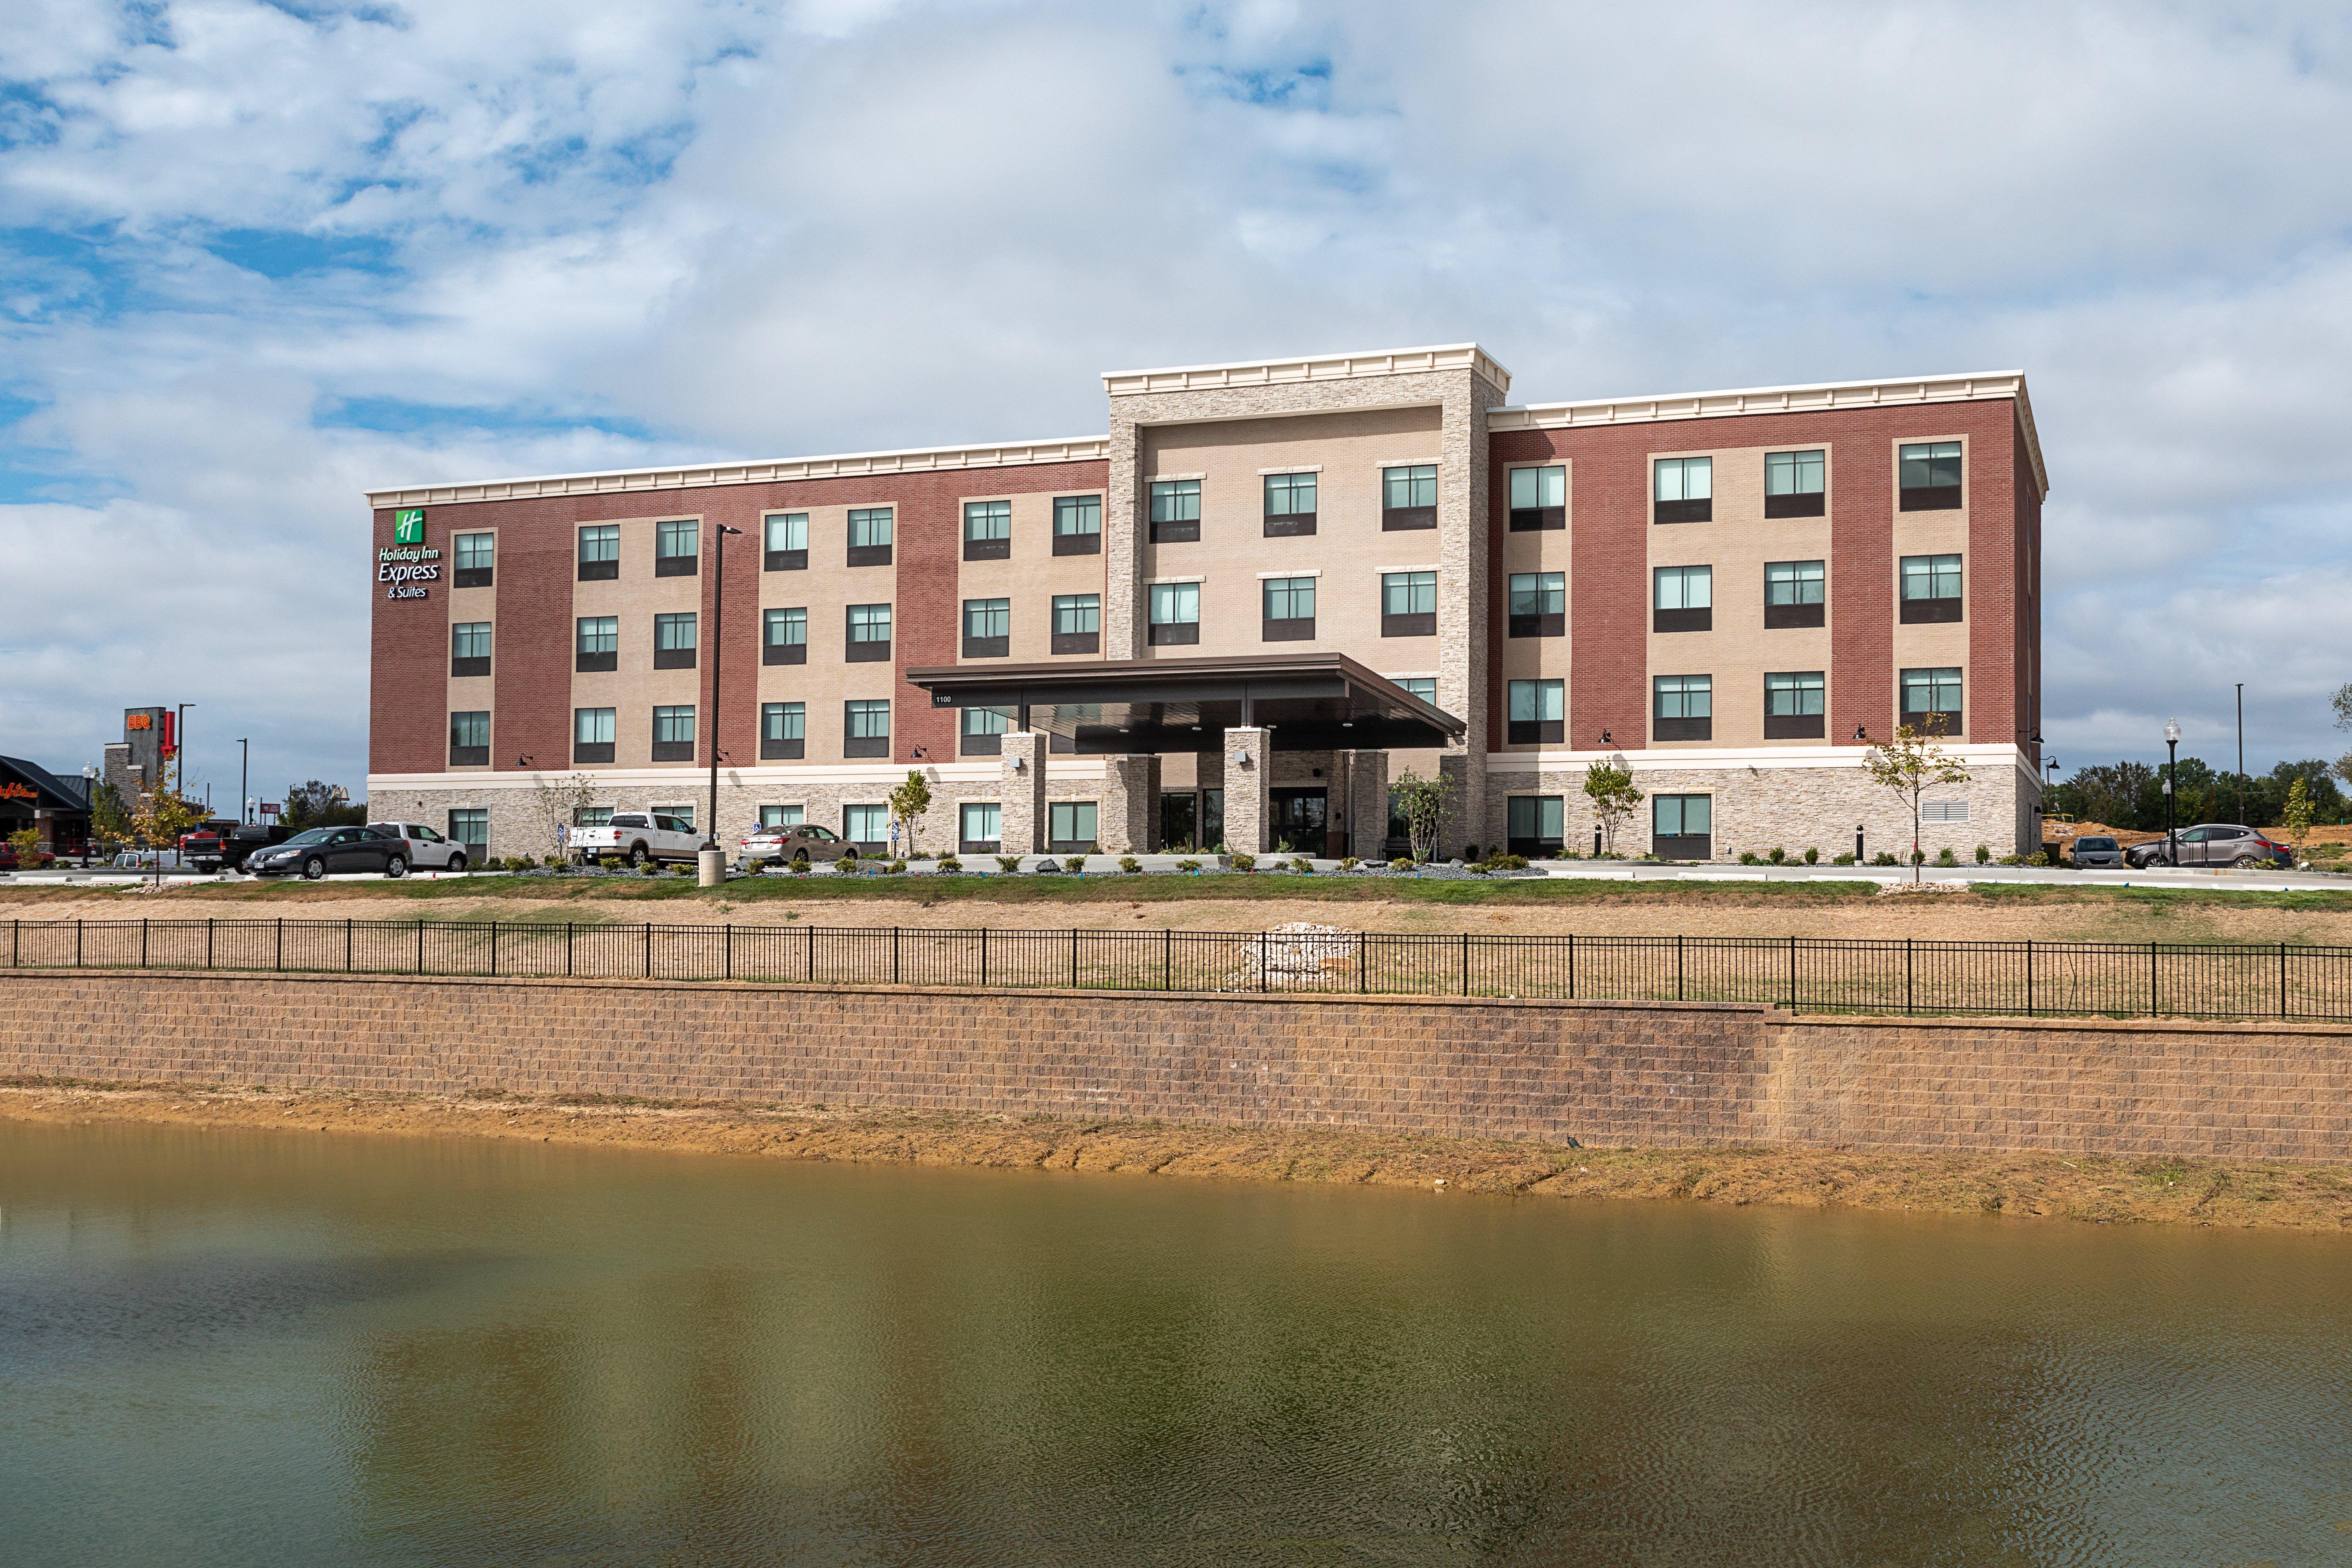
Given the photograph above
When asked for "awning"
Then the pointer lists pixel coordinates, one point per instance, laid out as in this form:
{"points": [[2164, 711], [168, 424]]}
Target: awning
{"points": [[1311, 702]]}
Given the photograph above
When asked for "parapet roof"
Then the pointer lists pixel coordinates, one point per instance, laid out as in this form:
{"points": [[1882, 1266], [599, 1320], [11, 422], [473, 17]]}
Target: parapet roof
{"points": [[1966, 386]]}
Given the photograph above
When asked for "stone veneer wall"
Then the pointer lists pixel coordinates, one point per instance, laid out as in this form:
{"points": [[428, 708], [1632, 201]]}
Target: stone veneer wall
{"points": [[1656, 1074], [1792, 808]]}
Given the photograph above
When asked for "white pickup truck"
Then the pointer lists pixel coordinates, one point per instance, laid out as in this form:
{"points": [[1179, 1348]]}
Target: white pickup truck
{"points": [[637, 836]]}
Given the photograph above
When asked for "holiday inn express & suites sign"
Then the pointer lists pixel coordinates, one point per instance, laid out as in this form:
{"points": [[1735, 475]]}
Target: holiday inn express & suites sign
{"points": [[405, 566]]}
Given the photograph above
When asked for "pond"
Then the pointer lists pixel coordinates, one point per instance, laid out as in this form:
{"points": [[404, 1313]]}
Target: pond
{"points": [[303, 1348]]}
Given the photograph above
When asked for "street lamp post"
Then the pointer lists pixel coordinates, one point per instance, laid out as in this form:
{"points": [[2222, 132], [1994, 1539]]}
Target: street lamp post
{"points": [[245, 778], [2241, 751], [180, 742], [2172, 797], [717, 647]]}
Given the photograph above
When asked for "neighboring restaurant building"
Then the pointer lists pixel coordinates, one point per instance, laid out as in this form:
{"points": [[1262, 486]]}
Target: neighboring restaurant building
{"points": [[1241, 613], [56, 805]]}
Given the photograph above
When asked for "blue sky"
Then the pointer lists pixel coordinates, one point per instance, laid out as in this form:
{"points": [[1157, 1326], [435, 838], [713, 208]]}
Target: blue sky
{"points": [[256, 257]]}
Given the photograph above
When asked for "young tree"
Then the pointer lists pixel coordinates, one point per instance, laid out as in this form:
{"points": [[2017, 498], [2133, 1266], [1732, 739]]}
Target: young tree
{"points": [[1907, 767], [1613, 797], [110, 820], [2298, 813], [910, 801], [163, 815], [556, 803], [1422, 802]]}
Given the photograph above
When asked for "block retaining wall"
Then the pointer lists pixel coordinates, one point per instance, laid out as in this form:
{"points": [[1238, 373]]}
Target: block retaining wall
{"points": [[1647, 1074]]}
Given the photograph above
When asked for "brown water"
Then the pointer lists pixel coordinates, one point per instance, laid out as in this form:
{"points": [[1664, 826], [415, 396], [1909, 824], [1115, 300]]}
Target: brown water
{"points": [[303, 1348]]}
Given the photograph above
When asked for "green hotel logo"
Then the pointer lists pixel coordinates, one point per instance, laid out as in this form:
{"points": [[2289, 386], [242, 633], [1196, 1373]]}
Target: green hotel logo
{"points": [[408, 527]]}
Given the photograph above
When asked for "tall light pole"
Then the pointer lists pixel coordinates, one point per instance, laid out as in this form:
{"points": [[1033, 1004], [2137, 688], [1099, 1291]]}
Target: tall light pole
{"points": [[244, 776], [2171, 797], [718, 646], [2241, 751], [180, 747]]}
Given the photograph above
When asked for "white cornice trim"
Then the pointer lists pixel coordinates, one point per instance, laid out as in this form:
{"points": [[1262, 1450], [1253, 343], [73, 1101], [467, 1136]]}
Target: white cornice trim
{"points": [[847, 465], [1963, 387], [1309, 367]]}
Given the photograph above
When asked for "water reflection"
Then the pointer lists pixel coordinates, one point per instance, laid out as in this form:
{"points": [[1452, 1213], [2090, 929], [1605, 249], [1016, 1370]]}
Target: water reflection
{"points": [[303, 1348]]}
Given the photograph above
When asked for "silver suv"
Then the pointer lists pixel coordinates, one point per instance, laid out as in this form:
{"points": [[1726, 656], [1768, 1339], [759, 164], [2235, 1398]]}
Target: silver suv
{"points": [[2094, 849], [428, 851], [2215, 844]]}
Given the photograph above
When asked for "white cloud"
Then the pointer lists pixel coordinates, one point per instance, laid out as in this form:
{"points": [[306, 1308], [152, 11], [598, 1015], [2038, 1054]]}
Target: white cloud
{"points": [[761, 229]]}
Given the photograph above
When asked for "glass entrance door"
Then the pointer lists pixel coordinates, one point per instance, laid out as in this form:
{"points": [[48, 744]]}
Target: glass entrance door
{"points": [[1298, 819], [1180, 822]]}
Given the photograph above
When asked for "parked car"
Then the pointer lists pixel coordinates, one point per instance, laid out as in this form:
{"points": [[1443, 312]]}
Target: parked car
{"points": [[427, 849], [151, 860], [316, 851], [638, 837], [2094, 849], [8, 859], [781, 845], [2214, 844]]}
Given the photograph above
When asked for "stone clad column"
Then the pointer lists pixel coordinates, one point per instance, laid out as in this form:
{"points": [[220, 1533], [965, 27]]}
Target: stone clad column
{"points": [[1367, 804], [1247, 805], [1131, 794], [1024, 799]]}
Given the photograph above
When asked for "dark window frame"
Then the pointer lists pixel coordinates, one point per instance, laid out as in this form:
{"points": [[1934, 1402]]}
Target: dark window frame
{"points": [[1949, 495], [869, 555], [602, 569], [855, 745], [868, 650], [678, 565], [473, 576], [1537, 518], [465, 754], [1174, 529]]}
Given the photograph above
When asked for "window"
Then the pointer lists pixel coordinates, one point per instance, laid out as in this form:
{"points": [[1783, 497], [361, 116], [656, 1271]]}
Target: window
{"points": [[674, 734], [784, 636], [1539, 498], [1792, 594], [1929, 477], [1070, 826], [782, 816], [1175, 511], [783, 730], [674, 642], [1289, 504], [870, 633], [869, 536], [1408, 603], [1792, 483], [784, 542], [1792, 706], [865, 728], [600, 553], [1175, 613], [1421, 686], [867, 827], [1289, 609], [1537, 712], [980, 827], [1684, 488], [596, 643], [1409, 498], [1931, 588], [469, 740], [1077, 525], [470, 825], [987, 628], [1682, 707], [469, 647], [1538, 604], [591, 816], [983, 732], [1681, 827], [1682, 599], [592, 734], [1535, 823], [1078, 623], [678, 549], [987, 530], [1931, 701], [477, 554]]}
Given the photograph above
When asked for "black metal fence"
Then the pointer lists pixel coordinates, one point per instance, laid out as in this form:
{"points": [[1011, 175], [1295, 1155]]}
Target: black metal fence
{"points": [[2209, 981]]}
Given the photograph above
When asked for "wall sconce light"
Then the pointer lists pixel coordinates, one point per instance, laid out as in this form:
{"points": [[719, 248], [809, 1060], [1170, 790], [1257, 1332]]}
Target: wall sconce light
{"points": [[1606, 739], [524, 761], [1241, 759], [1020, 763], [1860, 734]]}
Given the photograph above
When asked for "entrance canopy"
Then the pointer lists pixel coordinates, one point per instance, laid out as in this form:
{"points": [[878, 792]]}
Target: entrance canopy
{"points": [[1309, 701]]}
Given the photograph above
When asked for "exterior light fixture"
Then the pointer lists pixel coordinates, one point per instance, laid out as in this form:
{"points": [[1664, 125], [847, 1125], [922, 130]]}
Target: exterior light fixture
{"points": [[1607, 739], [1241, 759], [524, 761], [1860, 734], [1020, 763]]}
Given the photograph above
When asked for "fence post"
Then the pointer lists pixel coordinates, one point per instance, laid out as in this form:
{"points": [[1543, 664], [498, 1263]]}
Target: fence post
{"points": [[567, 950], [420, 946], [811, 955], [208, 942], [2282, 980], [2028, 977], [1793, 974], [281, 944], [729, 947], [494, 947], [1074, 955], [1678, 969], [16, 942], [142, 942], [1572, 966], [1262, 960], [2151, 980], [983, 955], [1907, 968], [1465, 963], [894, 955], [347, 944], [1167, 958], [77, 941], [1364, 953], [649, 950]]}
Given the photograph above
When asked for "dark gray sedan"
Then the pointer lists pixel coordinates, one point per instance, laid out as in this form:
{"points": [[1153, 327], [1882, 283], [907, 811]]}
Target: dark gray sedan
{"points": [[2211, 844]]}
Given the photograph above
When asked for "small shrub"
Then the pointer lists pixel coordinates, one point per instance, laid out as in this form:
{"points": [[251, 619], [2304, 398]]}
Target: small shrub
{"points": [[1984, 853], [1400, 864], [1884, 858], [682, 869], [1511, 862], [1469, 852], [1008, 863], [1349, 864], [1300, 864], [1244, 862], [1778, 855], [2039, 857], [1946, 858], [1841, 859], [950, 865], [1188, 865], [1750, 858], [1129, 864], [849, 859], [799, 867], [1479, 868], [651, 868], [2012, 860], [1048, 866], [610, 862], [1813, 856]]}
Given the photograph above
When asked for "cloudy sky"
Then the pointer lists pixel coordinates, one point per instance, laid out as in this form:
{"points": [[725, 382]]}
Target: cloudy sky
{"points": [[256, 257]]}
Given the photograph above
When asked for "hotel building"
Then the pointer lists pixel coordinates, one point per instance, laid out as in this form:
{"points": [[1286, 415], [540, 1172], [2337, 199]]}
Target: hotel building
{"points": [[1265, 593]]}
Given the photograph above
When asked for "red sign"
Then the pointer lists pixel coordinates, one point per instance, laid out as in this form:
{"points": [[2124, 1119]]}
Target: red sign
{"points": [[139, 722], [17, 792], [269, 808]]}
